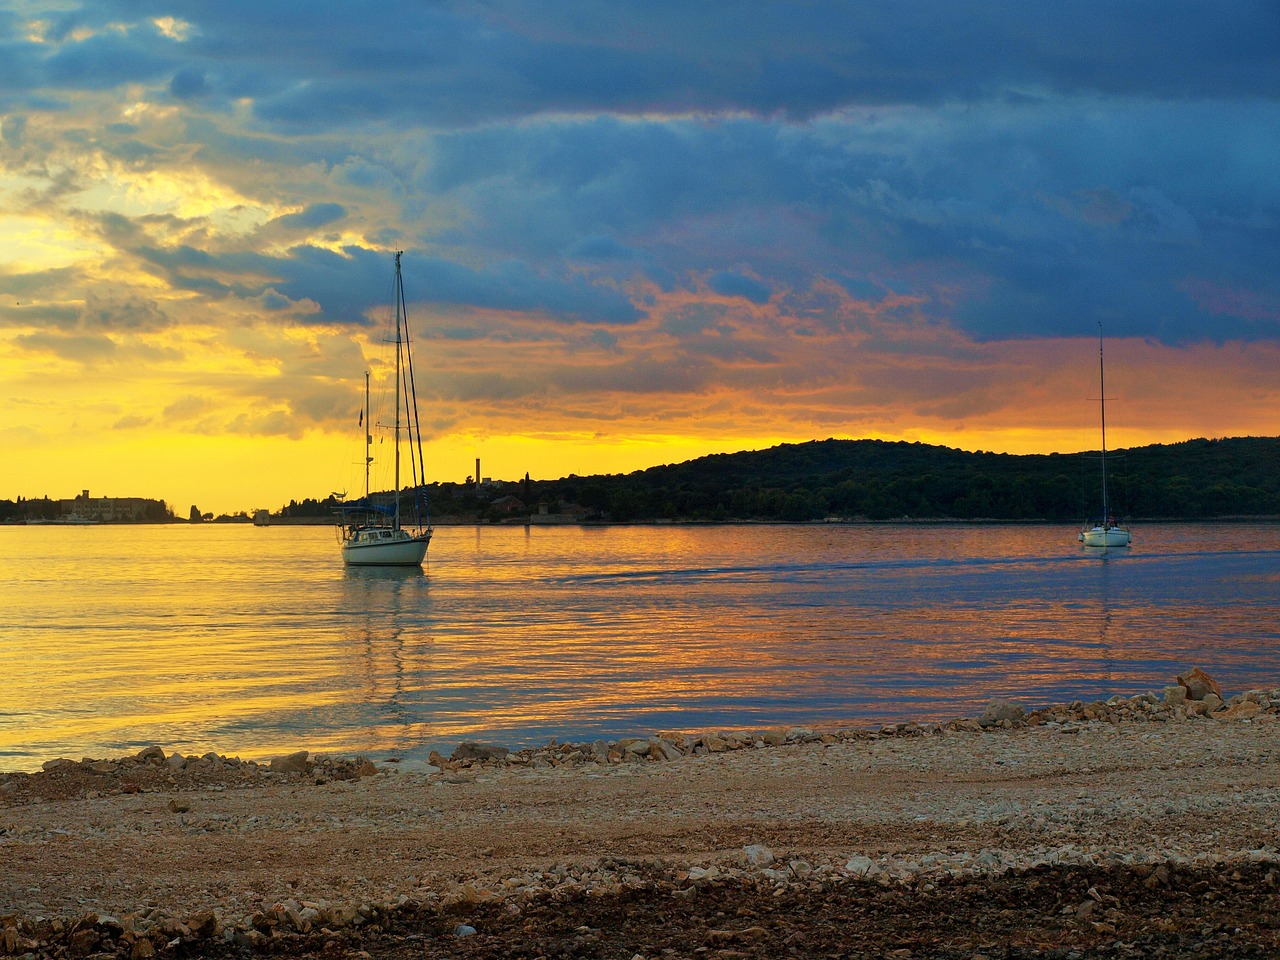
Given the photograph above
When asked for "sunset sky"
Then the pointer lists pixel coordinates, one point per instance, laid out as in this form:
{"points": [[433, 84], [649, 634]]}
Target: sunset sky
{"points": [[633, 233]]}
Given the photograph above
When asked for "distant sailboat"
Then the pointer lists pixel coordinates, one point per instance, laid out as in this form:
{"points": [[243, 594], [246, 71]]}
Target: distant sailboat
{"points": [[377, 533], [1107, 531]]}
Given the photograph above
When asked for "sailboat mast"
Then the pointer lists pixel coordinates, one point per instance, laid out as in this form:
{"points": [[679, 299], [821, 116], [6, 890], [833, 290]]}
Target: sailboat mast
{"points": [[1102, 383], [368, 437], [398, 358]]}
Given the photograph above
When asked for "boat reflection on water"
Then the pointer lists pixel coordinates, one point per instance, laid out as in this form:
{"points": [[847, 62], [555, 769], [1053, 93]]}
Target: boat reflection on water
{"points": [[383, 574], [1106, 664], [385, 608], [1106, 551]]}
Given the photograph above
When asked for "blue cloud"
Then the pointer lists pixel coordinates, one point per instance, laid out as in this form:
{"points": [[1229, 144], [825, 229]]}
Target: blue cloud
{"points": [[599, 247], [316, 215], [731, 284], [335, 65], [1019, 170], [107, 60], [188, 83], [515, 285]]}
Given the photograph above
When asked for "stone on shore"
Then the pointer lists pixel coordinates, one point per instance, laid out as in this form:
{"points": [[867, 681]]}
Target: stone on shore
{"points": [[152, 754], [1175, 695], [1199, 684], [1244, 710], [290, 763], [860, 866], [757, 855], [998, 711], [470, 750]]}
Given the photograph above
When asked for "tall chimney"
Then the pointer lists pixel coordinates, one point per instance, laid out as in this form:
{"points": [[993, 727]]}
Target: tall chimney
{"points": [[477, 474]]}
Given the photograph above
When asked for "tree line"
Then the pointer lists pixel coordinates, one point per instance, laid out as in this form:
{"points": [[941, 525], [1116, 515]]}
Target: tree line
{"points": [[885, 480], [888, 480], [871, 480]]}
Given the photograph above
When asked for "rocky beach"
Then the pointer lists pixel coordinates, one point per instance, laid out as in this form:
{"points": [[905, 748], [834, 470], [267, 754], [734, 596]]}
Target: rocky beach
{"points": [[1139, 826]]}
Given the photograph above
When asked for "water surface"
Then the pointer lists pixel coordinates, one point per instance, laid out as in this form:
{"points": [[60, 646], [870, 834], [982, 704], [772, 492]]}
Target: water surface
{"points": [[252, 641]]}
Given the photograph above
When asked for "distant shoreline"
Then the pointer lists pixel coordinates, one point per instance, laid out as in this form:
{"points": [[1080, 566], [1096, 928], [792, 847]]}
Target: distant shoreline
{"points": [[525, 522]]}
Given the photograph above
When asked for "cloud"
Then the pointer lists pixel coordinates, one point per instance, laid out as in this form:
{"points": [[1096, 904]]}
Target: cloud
{"points": [[127, 313], [74, 347], [188, 84], [105, 60], [515, 285], [449, 65], [315, 215], [730, 284], [1015, 158], [188, 407]]}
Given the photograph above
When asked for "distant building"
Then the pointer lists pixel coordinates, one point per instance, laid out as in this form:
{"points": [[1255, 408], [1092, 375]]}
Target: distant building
{"points": [[507, 504], [112, 509], [568, 513]]}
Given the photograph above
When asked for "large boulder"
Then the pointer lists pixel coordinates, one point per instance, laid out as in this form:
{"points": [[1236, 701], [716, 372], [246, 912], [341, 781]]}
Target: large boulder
{"points": [[470, 750], [1000, 710], [1244, 710], [290, 763], [152, 754], [757, 855], [1199, 685]]}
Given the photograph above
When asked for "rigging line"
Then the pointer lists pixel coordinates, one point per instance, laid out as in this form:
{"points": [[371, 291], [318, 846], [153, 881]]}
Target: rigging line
{"points": [[413, 424], [406, 387], [411, 431], [417, 424]]}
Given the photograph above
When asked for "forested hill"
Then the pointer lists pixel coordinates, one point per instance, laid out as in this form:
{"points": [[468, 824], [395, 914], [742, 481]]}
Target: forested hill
{"points": [[880, 480]]}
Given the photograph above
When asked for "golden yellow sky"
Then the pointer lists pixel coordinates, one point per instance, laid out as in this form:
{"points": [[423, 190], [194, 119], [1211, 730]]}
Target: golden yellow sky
{"points": [[263, 416]]}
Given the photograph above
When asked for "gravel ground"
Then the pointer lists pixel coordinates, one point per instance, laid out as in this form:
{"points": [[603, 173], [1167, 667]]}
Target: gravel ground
{"points": [[1134, 828]]}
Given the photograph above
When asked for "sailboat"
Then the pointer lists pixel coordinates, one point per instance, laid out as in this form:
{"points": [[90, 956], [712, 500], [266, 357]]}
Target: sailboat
{"points": [[1107, 531], [383, 530]]}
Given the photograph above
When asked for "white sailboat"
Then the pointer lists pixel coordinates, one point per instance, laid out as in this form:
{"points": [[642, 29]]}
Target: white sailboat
{"points": [[385, 531], [1106, 531]]}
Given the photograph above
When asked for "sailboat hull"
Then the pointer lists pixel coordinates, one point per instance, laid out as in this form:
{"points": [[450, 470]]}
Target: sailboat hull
{"points": [[1105, 537], [385, 548]]}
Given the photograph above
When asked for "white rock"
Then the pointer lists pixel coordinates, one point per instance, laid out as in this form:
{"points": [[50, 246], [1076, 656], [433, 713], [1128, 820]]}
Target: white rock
{"points": [[860, 866], [758, 855]]}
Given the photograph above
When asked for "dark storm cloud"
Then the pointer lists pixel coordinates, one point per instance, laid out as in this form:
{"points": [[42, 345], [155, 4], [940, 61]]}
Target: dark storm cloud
{"points": [[103, 62], [335, 63], [316, 215], [1053, 216], [730, 284], [515, 285], [188, 83], [1020, 170], [346, 285]]}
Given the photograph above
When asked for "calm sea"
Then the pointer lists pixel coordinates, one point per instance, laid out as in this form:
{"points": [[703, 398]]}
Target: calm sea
{"points": [[253, 641]]}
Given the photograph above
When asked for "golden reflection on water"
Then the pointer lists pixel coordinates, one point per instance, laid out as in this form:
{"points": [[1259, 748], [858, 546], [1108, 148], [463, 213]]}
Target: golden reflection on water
{"points": [[257, 641]]}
